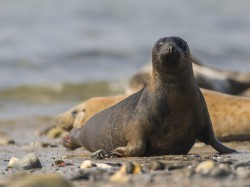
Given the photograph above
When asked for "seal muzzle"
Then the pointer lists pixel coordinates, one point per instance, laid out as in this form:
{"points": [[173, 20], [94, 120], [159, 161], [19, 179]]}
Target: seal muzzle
{"points": [[170, 55]]}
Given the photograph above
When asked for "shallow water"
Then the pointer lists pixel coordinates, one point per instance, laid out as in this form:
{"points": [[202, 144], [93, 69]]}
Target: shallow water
{"points": [[47, 45]]}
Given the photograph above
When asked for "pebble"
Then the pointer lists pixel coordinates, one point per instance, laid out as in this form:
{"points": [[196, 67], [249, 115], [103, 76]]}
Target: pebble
{"points": [[42, 180], [131, 168], [205, 167], [103, 166], [5, 140], [80, 175], [121, 176], [114, 164], [156, 165], [190, 157], [224, 165], [61, 163], [92, 174], [175, 166], [90, 164], [227, 161], [242, 164], [12, 161], [29, 161], [243, 172], [220, 172], [87, 164]]}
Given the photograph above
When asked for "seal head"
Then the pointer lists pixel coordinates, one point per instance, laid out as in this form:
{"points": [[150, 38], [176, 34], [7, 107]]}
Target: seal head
{"points": [[170, 54]]}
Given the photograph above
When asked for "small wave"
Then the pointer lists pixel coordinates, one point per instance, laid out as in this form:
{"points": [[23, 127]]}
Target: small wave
{"points": [[57, 93]]}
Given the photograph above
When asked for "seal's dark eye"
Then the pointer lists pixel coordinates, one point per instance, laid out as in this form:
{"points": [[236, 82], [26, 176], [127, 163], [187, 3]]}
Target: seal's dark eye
{"points": [[158, 46]]}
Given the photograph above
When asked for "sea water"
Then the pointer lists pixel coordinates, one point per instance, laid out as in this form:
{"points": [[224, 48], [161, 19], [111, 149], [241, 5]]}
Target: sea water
{"points": [[55, 53]]}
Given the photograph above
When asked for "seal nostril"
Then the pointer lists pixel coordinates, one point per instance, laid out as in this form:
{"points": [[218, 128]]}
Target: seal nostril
{"points": [[171, 49]]}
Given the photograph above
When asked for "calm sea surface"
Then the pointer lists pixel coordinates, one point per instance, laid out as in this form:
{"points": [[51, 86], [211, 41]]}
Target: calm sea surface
{"points": [[54, 53]]}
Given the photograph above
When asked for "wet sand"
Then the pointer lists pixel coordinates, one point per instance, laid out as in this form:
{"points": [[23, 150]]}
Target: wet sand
{"points": [[179, 172]]}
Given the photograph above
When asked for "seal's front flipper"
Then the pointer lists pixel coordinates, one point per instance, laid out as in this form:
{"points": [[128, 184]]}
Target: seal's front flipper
{"points": [[100, 154], [217, 145], [207, 136], [207, 133]]}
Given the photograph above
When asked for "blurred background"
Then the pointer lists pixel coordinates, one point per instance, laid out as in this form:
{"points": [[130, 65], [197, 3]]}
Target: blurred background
{"points": [[55, 53]]}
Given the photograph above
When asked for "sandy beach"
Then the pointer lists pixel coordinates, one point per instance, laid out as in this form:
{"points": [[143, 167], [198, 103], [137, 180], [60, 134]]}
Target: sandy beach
{"points": [[180, 170], [57, 53]]}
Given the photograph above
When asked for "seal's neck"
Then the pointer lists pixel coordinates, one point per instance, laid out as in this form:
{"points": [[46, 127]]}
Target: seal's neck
{"points": [[179, 80]]}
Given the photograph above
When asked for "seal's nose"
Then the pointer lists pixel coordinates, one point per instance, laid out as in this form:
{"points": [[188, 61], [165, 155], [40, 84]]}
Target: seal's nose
{"points": [[171, 49]]}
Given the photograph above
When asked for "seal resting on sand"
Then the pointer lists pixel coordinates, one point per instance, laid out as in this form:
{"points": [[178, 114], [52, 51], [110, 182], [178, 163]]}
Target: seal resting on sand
{"points": [[234, 83], [165, 117], [230, 115], [80, 114]]}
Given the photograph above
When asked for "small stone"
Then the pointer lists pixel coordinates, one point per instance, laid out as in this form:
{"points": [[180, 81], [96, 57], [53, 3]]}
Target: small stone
{"points": [[127, 168], [194, 155], [61, 163], [243, 172], [28, 162], [119, 177], [103, 166], [227, 161], [37, 144], [114, 164], [131, 168], [87, 164], [224, 166], [55, 132], [80, 175], [175, 166], [242, 164], [216, 157], [5, 140], [156, 165], [48, 180], [219, 172], [12, 161], [137, 168], [65, 157], [205, 167]]}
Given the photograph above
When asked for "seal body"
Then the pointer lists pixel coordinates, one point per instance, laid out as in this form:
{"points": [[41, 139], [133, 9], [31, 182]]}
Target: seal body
{"points": [[165, 117], [77, 116], [230, 115]]}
